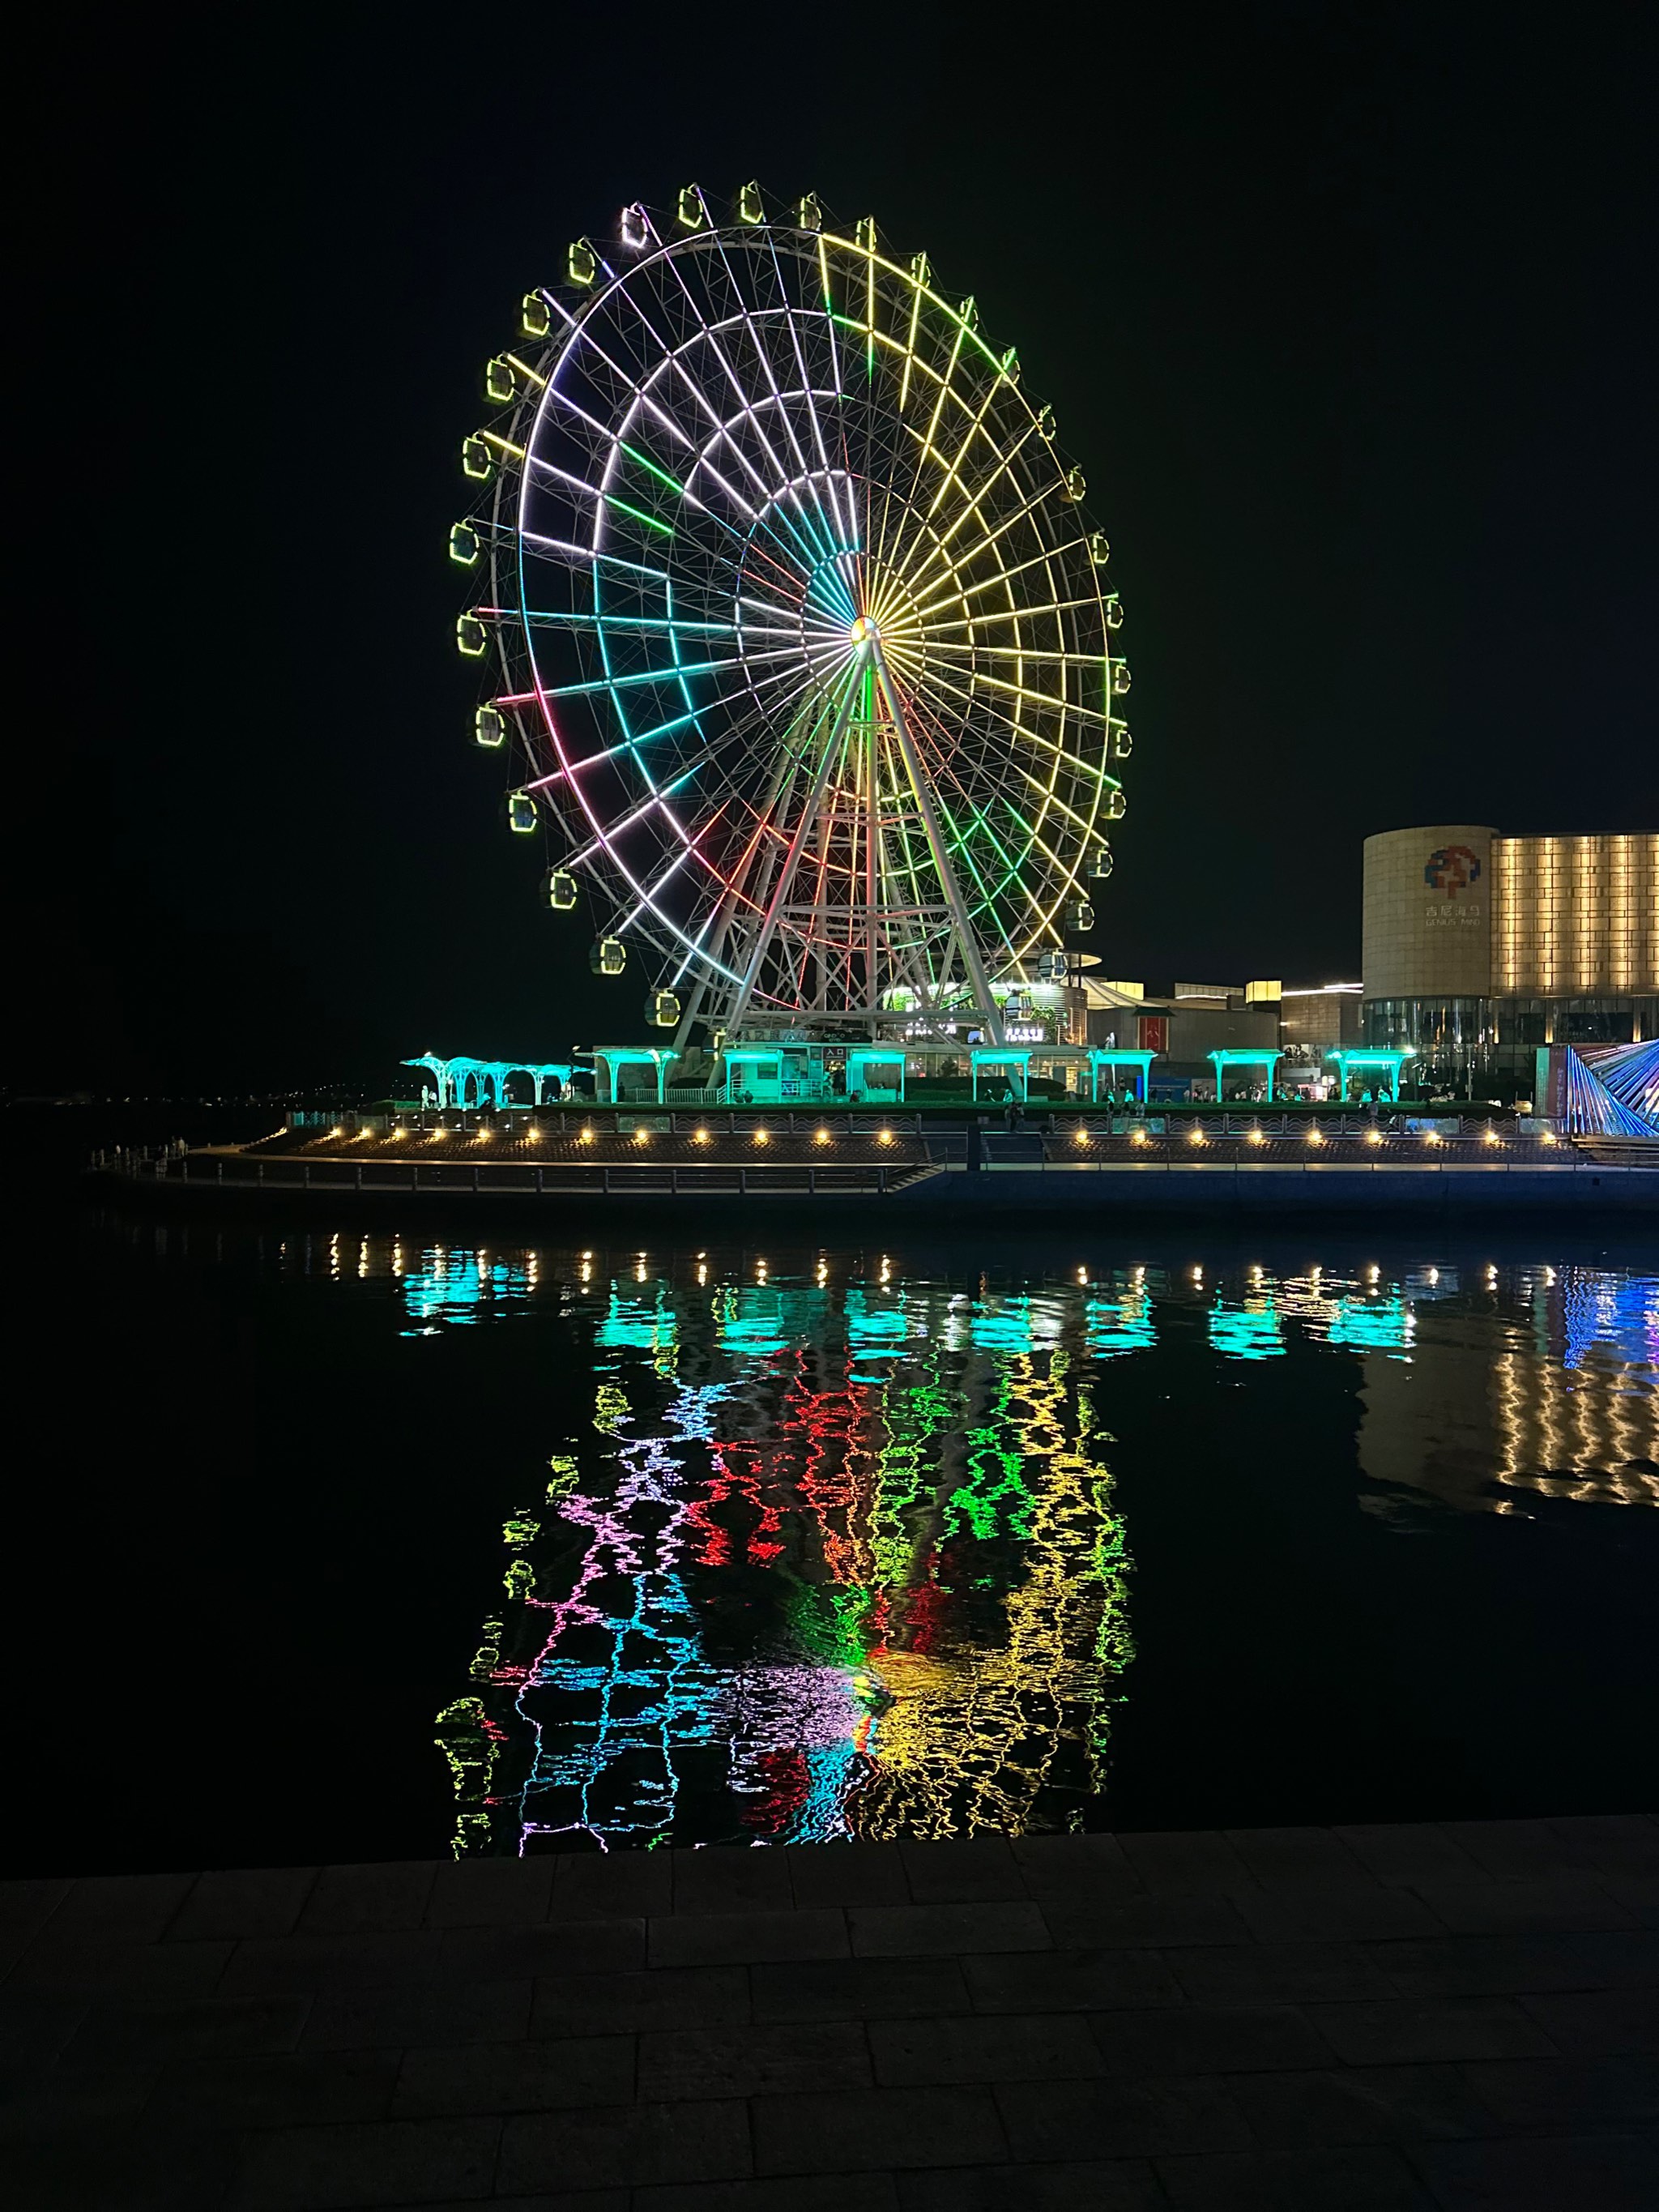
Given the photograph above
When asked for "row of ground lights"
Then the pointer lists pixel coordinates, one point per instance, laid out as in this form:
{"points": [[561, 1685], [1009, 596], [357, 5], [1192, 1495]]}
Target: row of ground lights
{"points": [[1371, 1274], [588, 1135]]}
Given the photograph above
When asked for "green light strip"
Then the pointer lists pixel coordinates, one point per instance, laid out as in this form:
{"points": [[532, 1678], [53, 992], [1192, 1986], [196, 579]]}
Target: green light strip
{"points": [[662, 475], [638, 514]]}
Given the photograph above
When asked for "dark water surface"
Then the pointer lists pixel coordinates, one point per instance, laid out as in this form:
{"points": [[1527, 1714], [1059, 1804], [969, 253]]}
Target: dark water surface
{"points": [[331, 1543]]}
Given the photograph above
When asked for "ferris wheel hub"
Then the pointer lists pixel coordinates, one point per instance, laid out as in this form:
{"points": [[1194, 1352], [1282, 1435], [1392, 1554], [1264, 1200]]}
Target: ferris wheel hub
{"points": [[864, 631]]}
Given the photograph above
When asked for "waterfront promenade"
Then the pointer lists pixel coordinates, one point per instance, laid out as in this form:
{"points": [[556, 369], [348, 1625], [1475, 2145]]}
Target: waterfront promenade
{"points": [[1437, 2017], [1261, 1164]]}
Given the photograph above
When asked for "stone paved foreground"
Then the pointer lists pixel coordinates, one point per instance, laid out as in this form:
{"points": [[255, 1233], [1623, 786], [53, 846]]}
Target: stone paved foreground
{"points": [[1358, 2019]]}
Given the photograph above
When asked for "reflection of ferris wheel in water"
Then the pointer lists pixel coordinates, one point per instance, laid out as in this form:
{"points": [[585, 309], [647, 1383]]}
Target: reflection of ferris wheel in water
{"points": [[805, 648]]}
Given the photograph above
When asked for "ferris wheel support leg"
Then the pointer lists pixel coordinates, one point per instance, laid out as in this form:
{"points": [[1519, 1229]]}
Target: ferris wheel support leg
{"points": [[806, 823], [693, 1009], [935, 835], [782, 783]]}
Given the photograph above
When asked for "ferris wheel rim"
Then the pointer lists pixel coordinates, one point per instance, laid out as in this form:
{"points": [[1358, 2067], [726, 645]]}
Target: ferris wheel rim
{"points": [[936, 652]]}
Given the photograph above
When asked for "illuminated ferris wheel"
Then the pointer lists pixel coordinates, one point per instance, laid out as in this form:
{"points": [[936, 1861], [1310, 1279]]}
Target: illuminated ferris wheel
{"points": [[803, 646]]}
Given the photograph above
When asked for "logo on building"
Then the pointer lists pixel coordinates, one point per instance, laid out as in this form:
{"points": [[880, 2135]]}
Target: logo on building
{"points": [[1451, 869]]}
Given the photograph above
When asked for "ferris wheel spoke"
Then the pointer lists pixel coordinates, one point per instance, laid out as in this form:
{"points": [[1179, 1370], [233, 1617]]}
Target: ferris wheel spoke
{"points": [[943, 540], [926, 441], [833, 536], [1097, 715], [802, 547], [1052, 655], [1012, 876], [1017, 612], [950, 470], [743, 734], [585, 619], [629, 744], [653, 890], [580, 327], [1013, 729], [848, 530], [1067, 876], [612, 439], [651, 894], [606, 838], [565, 553], [701, 403], [1051, 798], [711, 337], [647, 899], [1005, 576], [669, 675]]}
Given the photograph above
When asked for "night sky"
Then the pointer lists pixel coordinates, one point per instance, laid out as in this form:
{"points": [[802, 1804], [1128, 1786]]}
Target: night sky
{"points": [[1348, 313]]}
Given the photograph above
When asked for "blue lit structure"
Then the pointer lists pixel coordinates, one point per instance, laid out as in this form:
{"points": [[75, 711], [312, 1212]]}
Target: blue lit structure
{"points": [[609, 1060], [764, 1063], [1235, 1056], [1015, 1066], [1141, 1063], [1613, 1093], [1591, 1109], [867, 1057], [1365, 1060], [486, 1080]]}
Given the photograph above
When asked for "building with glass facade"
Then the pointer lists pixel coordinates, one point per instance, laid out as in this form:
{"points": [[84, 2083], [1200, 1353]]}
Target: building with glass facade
{"points": [[1479, 947]]}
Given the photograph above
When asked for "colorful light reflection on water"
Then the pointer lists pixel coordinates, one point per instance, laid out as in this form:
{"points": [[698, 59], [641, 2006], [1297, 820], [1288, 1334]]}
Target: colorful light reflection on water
{"points": [[838, 1558]]}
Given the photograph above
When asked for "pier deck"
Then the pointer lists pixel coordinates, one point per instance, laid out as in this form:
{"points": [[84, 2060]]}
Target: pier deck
{"points": [[1168, 1162]]}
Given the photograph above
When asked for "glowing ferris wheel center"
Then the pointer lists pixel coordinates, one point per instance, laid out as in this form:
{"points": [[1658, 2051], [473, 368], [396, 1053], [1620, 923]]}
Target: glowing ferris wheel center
{"points": [[803, 649]]}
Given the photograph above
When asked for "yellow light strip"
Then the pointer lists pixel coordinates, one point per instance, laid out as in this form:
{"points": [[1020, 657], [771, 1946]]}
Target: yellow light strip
{"points": [[1061, 758], [525, 369], [990, 583], [968, 437], [1009, 455], [982, 545], [919, 278], [1045, 698], [1045, 915], [1026, 652], [1015, 613], [1035, 737], [963, 325]]}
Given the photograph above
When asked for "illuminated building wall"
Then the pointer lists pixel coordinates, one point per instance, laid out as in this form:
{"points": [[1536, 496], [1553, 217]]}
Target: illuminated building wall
{"points": [[1576, 916], [1478, 947], [1312, 1023], [1426, 912]]}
